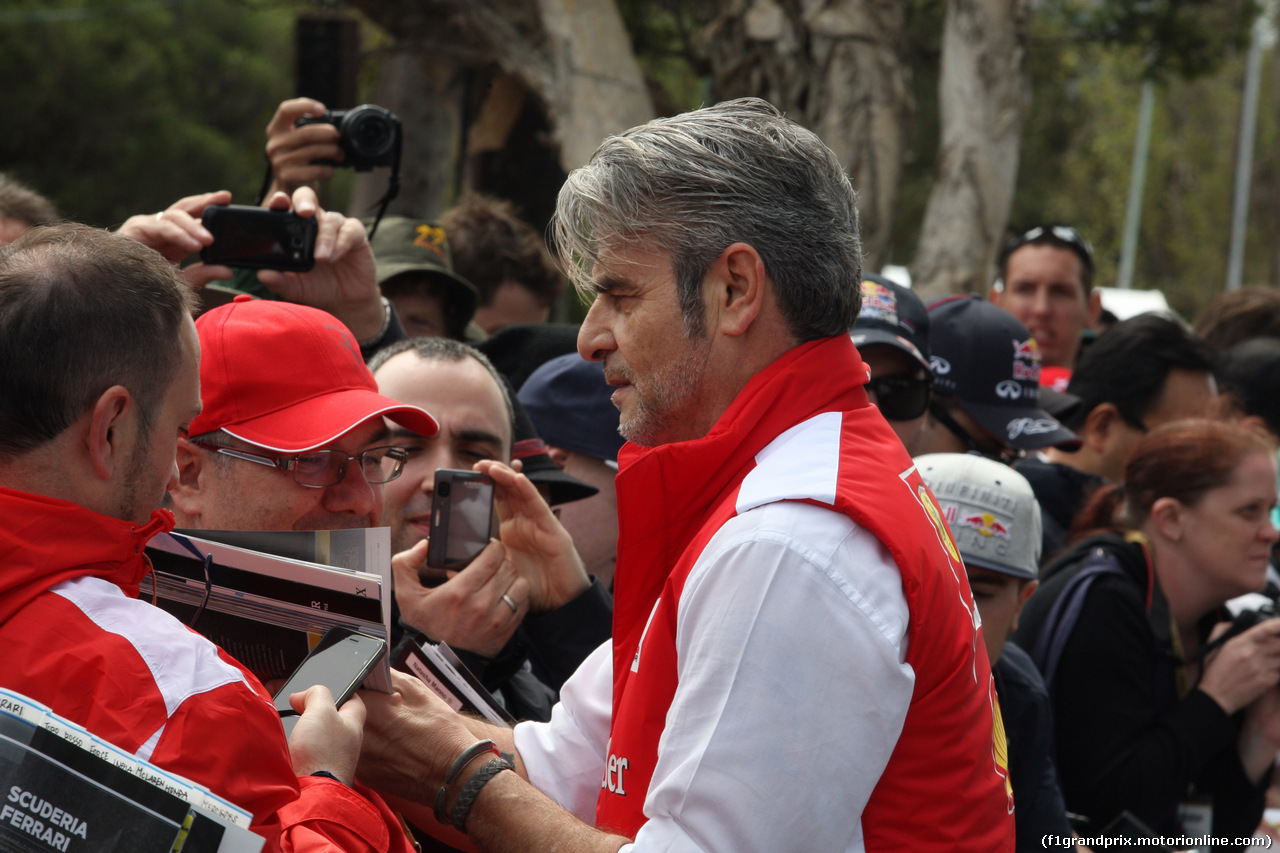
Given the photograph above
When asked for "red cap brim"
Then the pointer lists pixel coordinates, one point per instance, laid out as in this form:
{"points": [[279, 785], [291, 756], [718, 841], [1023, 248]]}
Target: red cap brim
{"points": [[323, 420]]}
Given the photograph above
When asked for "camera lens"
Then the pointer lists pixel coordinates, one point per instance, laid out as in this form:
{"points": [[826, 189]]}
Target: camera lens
{"points": [[443, 490], [369, 132]]}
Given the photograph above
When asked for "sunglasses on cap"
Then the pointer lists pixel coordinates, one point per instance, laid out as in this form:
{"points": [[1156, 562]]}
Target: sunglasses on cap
{"points": [[1064, 234], [900, 398]]}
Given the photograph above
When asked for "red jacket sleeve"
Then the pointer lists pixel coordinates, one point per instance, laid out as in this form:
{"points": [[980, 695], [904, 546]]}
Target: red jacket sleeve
{"points": [[230, 740]]}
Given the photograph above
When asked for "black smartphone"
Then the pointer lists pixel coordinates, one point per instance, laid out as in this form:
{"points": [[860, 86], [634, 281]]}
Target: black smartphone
{"points": [[340, 661], [257, 238], [462, 521]]}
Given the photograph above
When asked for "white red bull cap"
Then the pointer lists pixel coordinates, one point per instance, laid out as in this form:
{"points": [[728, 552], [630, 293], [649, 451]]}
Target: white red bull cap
{"points": [[992, 512]]}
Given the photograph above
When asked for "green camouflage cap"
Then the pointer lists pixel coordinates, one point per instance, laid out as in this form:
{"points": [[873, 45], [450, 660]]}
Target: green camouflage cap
{"points": [[403, 245]]}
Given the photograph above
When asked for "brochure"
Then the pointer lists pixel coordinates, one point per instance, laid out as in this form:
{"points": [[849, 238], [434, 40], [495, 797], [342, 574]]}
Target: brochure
{"points": [[64, 789], [439, 668], [267, 610]]}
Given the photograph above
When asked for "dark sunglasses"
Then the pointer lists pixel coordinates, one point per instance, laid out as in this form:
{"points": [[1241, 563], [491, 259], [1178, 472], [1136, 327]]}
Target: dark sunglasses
{"points": [[901, 398], [1063, 234]]}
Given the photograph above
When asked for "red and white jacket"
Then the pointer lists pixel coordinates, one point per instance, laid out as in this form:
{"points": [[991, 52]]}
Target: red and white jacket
{"points": [[796, 547], [75, 638]]}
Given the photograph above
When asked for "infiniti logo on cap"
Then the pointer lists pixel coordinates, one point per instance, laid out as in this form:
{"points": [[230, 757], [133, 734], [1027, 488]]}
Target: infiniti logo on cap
{"points": [[1009, 390]]}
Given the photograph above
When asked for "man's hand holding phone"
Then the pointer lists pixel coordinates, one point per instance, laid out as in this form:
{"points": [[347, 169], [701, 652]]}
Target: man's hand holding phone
{"points": [[326, 737], [468, 610], [177, 232], [344, 279], [537, 544]]}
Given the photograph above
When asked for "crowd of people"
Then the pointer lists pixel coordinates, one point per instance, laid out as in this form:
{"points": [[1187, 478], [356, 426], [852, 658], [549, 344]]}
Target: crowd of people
{"points": [[787, 559]]}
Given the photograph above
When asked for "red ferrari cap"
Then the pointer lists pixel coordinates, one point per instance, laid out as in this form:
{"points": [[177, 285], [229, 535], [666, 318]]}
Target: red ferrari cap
{"points": [[288, 378]]}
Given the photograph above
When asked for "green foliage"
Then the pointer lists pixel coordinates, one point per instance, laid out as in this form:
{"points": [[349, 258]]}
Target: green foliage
{"points": [[666, 38], [1191, 38], [1078, 151], [116, 107]]}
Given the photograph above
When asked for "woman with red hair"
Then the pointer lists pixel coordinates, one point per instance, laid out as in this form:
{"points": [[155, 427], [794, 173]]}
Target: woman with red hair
{"points": [[1153, 707]]}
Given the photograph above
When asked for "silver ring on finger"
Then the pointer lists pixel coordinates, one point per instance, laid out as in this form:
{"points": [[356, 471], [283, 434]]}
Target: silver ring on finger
{"points": [[511, 603]]}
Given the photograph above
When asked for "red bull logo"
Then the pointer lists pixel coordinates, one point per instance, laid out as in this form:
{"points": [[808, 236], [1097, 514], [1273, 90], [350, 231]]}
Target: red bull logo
{"points": [[1026, 360], [1027, 349], [878, 298], [985, 523]]}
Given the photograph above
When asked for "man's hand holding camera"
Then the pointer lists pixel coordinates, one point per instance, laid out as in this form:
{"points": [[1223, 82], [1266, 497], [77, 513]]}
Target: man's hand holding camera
{"points": [[306, 142], [537, 543], [300, 156], [534, 568]]}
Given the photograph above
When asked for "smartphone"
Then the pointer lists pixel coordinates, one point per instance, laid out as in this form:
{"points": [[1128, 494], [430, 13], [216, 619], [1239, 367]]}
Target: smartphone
{"points": [[257, 238], [462, 521], [340, 661]]}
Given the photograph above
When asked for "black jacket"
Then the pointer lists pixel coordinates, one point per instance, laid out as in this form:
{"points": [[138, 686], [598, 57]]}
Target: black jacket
{"points": [[1062, 492], [1126, 740]]}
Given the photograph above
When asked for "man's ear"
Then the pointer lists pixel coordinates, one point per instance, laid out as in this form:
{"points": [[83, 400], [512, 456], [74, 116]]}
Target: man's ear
{"points": [[1099, 425], [558, 455], [113, 431], [740, 288], [994, 295], [188, 491], [1023, 594]]}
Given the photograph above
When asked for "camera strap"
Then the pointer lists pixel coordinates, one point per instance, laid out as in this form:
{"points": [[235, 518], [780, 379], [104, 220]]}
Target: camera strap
{"points": [[393, 187]]}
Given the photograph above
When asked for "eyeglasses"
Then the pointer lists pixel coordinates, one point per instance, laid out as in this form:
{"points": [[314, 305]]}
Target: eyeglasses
{"points": [[317, 469], [900, 398], [1062, 233]]}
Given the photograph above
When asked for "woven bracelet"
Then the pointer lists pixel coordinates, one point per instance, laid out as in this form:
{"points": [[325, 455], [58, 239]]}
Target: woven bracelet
{"points": [[478, 748], [471, 790]]}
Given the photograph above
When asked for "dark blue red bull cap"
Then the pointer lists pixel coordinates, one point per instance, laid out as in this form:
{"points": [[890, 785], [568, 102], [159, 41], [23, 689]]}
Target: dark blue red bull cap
{"points": [[891, 315], [986, 360]]}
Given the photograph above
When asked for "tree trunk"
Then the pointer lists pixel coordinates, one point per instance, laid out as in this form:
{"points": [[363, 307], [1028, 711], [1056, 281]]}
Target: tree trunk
{"points": [[574, 55], [836, 67], [429, 97], [984, 97], [596, 87]]}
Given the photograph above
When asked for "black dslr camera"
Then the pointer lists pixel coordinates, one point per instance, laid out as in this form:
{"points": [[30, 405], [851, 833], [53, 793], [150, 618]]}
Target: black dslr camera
{"points": [[368, 135], [1243, 621], [1246, 619]]}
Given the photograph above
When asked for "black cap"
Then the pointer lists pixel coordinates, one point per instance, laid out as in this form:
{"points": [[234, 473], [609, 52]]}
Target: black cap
{"points": [[571, 407], [892, 315], [990, 364], [1250, 372], [538, 465]]}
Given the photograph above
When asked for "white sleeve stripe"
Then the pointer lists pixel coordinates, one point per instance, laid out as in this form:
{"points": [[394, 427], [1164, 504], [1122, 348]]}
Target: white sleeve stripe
{"points": [[182, 663]]}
